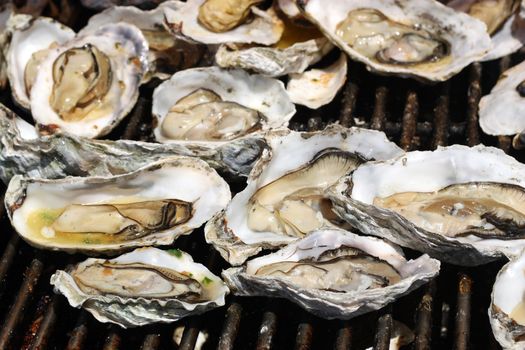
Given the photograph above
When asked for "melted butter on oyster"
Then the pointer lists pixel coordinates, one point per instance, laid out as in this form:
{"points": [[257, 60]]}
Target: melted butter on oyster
{"points": [[135, 280], [340, 270], [223, 15], [82, 77], [293, 34], [294, 204], [377, 37], [109, 222], [203, 115], [484, 209]]}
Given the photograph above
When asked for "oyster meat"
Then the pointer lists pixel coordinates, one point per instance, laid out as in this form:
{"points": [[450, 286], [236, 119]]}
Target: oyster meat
{"points": [[206, 107], [141, 287], [151, 206], [219, 21], [449, 203], [88, 85], [333, 274], [284, 198], [418, 38]]}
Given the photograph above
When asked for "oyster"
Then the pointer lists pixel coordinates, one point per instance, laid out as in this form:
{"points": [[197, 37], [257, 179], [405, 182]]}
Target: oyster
{"points": [[88, 85], [502, 112], [5, 13], [31, 39], [298, 48], [141, 287], [333, 274], [318, 87], [265, 27], [507, 307], [463, 205], [61, 155], [206, 107], [151, 206], [419, 38], [166, 54], [284, 198]]}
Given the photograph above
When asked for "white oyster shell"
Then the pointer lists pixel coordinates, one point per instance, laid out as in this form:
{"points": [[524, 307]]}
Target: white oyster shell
{"points": [[288, 151], [507, 303], [318, 86], [265, 95], [266, 28], [502, 112], [29, 35], [131, 312], [126, 49], [325, 303], [5, 13], [176, 178], [467, 36], [427, 171]]}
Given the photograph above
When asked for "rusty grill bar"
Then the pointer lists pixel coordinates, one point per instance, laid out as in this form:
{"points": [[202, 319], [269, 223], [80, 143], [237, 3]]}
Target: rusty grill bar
{"points": [[442, 314]]}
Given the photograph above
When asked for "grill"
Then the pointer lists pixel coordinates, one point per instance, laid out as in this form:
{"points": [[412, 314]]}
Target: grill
{"points": [[442, 314]]}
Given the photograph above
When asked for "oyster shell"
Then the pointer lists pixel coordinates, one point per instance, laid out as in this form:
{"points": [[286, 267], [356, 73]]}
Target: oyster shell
{"points": [[507, 307], [5, 13], [90, 101], [450, 203], [418, 38], [141, 287], [502, 112], [61, 155], [166, 54], [284, 198], [206, 107], [151, 206], [333, 274], [31, 40], [318, 87], [265, 28]]}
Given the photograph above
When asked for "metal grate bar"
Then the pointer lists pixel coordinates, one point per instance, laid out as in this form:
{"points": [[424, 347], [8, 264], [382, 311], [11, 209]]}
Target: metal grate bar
{"points": [[151, 342], [113, 339], [7, 260], [344, 337], [473, 97], [348, 102], [78, 336], [267, 331], [189, 335], [383, 331], [230, 327], [409, 124], [441, 118], [462, 330], [378, 116], [423, 329], [46, 327], [305, 333]]}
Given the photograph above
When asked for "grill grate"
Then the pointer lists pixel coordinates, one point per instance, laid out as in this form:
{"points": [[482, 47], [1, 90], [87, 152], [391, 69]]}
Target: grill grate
{"points": [[442, 314]]}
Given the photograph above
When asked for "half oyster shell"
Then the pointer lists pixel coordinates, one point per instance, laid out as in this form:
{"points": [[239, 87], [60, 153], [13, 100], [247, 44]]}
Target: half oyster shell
{"points": [[151, 206], [463, 205], [88, 85], [284, 198], [418, 38], [204, 108], [141, 287], [5, 13], [333, 274]]}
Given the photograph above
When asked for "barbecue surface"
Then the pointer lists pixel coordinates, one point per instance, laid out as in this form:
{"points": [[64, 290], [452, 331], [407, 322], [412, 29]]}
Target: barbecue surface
{"points": [[442, 314]]}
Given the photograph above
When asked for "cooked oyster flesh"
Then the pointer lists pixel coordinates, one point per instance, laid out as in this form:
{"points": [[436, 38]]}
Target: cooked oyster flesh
{"points": [[202, 115], [294, 203], [483, 209], [340, 273], [31, 69], [376, 36], [82, 77], [223, 15], [491, 12], [112, 222], [518, 313]]}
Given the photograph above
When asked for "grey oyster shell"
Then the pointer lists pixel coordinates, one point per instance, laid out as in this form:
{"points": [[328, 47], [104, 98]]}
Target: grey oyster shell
{"points": [[427, 171], [325, 303], [61, 155], [138, 311]]}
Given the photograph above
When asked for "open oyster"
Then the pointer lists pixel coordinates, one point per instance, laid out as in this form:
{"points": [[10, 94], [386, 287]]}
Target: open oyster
{"points": [[5, 13], [284, 198], [463, 205], [166, 54], [141, 287], [502, 112], [219, 21], [206, 107], [88, 85], [318, 87], [420, 38], [333, 274], [507, 307], [31, 40], [151, 206]]}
